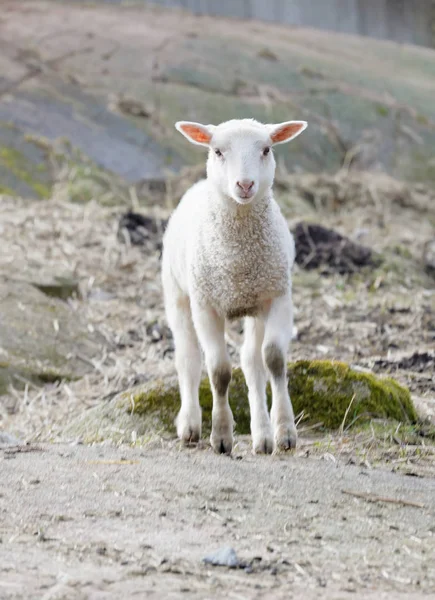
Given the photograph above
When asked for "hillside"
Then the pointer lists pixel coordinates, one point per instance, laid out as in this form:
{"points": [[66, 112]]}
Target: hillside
{"points": [[111, 80]]}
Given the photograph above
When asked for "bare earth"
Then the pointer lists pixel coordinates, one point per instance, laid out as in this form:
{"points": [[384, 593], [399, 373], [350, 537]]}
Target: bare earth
{"points": [[87, 522]]}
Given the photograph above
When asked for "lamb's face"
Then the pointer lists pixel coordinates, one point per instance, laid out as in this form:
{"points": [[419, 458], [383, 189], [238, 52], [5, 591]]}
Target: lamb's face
{"points": [[241, 163]]}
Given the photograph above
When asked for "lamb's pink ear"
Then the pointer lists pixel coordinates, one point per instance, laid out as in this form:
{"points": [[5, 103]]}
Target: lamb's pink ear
{"points": [[284, 132], [195, 132]]}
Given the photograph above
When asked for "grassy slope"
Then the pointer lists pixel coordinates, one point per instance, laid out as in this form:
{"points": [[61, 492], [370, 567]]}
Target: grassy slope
{"points": [[367, 101]]}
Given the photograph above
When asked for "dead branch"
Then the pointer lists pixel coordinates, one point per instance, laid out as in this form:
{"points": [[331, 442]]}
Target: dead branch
{"points": [[374, 498]]}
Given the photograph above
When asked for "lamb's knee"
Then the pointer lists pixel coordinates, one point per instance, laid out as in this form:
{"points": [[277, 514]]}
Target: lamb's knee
{"points": [[275, 360], [221, 377]]}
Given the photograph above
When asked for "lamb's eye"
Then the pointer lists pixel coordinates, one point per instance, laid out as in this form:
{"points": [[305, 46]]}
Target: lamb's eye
{"points": [[266, 151], [218, 152]]}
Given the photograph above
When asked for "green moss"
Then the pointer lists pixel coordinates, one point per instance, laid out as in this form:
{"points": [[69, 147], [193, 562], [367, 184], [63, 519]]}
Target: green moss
{"points": [[324, 390], [7, 191], [84, 181], [401, 250], [24, 170], [422, 120], [382, 110]]}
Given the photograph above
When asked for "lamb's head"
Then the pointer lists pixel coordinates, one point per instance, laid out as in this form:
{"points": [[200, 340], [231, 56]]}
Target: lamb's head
{"points": [[241, 163]]}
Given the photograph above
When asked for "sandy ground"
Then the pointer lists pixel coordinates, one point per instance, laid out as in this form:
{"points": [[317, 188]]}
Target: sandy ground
{"points": [[98, 522]]}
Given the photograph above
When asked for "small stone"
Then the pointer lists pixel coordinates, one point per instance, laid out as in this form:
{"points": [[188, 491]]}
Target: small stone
{"points": [[59, 287], [157, 332], [99, 295], [7, 439], [224, 557]]}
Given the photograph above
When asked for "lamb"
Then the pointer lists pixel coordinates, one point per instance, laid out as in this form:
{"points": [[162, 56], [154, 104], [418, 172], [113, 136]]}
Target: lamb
{"points": [[228, 254]]}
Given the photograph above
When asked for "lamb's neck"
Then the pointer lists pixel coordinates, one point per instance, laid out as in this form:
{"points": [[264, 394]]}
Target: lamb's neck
{"points": [[228, 207]]}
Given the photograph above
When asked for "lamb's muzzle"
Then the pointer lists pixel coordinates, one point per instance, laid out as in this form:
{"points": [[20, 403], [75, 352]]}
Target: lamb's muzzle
{"points": [[228, 253]]}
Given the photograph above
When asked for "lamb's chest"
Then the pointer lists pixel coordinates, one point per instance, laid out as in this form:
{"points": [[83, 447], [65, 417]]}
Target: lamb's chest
{"points": [[238, 274]]}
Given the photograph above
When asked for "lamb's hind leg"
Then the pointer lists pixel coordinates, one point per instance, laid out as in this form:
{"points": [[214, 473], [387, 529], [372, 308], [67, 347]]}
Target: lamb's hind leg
{"points": [[279, 324], [211, 333], [256, 379], [188, 361]]}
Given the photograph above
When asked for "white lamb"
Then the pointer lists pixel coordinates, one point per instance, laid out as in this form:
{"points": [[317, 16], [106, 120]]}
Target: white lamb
{"points": [[227, 254]]}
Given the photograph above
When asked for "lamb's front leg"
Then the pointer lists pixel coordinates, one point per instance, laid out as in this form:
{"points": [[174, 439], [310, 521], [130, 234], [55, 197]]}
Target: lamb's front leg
{"points": [[210, 329], [256, 379], [278, 331]]}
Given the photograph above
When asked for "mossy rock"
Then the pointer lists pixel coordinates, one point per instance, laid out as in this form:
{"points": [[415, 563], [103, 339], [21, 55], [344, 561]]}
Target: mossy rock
{"points": [[324, 390], [24, 168]]}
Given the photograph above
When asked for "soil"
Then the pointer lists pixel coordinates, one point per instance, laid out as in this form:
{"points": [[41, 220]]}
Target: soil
{"points": [[100, 522]]}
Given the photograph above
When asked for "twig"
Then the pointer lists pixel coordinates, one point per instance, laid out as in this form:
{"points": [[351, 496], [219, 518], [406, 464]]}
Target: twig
{"points": [[375, 498], [299, 417], [341, 430], [22, 448], [113, 462], [311, 427]]}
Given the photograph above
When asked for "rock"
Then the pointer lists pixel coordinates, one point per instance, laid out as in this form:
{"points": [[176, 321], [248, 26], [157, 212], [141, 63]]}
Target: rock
{"points": [[52, 280], [323, 389], [41, 338], [224, 557], [319, 247], [267, 54], [147, 144], [99, 295], [158, 333], [6, 439], [59, 287], [129, 106]]}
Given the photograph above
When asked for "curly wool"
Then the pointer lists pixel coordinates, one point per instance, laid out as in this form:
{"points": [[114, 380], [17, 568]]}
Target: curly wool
{"points": [[234, 257]]}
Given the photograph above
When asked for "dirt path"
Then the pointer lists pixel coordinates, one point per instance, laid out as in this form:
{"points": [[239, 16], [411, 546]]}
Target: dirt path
{"points": [[99, 522]]}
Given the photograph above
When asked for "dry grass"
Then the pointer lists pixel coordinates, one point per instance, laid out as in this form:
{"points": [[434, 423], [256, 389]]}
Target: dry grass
{"points": [[121, 294], [352, 318]]}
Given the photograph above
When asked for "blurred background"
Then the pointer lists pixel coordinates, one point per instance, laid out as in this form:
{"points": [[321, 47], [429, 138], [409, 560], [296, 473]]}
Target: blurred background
{"points": [[89, 93], [110, 78]]}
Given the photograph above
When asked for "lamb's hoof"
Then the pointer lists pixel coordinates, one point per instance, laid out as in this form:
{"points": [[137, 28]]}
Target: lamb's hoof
{"points": [[263, 443], [286, 438], [188, 430], [222, 443]]}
